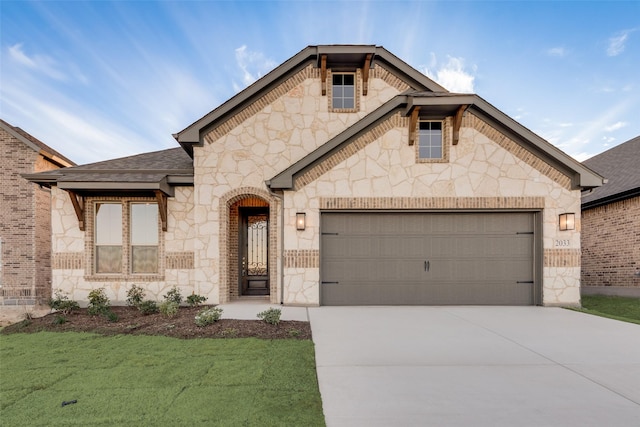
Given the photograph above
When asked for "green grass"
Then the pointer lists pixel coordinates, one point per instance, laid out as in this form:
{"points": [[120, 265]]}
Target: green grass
{"points": [[619, 308], [156, 381]]}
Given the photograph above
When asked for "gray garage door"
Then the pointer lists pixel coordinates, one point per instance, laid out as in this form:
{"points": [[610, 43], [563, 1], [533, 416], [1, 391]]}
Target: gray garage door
{"points": [[427, 258]]}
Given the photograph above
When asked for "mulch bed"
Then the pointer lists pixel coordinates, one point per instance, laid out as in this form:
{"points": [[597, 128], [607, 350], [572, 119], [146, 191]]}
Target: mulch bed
{"points": [[182, 325]]}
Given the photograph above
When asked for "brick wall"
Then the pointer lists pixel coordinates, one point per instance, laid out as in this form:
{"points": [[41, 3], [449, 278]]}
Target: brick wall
{"points": [[25, 229], [611, 244]]}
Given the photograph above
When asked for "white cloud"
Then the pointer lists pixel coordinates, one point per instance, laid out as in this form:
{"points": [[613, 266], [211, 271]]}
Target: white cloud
{"points": [[253, 65], [557, 52], [453, 76], [615, 126], [617, 42], [41, 63]]}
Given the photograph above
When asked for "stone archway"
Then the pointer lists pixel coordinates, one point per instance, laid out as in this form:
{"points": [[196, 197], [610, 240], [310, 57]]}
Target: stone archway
{"points": [[232, 206]]}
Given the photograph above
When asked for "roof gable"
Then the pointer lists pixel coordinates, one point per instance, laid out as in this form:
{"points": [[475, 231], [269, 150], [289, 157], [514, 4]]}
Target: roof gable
{"points": [[36, 145]]}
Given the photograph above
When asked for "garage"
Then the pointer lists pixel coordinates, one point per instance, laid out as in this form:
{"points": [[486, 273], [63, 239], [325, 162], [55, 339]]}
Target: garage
{"points": [[418, 258]]}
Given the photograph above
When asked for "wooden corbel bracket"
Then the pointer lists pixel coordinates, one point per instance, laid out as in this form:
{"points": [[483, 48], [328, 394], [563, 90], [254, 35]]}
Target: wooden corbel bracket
{"points": [[413, 125], [161, 198], [78, 206], [323, 74], [457, 122], [365, 75]]}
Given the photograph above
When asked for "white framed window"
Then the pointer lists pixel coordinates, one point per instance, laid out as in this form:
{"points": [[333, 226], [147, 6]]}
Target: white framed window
{"points": [[430, 140], [343, 91], [126, 238]]}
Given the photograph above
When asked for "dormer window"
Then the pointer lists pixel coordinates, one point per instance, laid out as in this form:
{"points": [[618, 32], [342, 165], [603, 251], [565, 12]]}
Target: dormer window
{"points": [[343, 91]]}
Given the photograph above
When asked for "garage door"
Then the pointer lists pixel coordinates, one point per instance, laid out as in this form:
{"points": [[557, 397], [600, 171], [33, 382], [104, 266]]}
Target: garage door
{"points": [[427, 258]]}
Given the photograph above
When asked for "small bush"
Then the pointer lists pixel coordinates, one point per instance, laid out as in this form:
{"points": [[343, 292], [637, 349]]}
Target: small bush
{"points": [[62, 303], [195, 300], [229, 333], [59, 320], [270, 316], [173, 295], [294, 333], [208, 316], [111, 316], [148, 307], [98, 302], [169, 308], [135, 296]]}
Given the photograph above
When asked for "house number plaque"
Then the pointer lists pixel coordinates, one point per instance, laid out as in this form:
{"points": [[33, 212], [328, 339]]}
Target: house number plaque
{"points": [[563, 243]]}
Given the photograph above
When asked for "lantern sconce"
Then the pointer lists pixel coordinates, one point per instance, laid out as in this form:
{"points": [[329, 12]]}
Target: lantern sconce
{"points": [[301, 221], [567, 221]]}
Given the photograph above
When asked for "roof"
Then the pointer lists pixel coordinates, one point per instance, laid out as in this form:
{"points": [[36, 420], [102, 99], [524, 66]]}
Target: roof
{"points": [[158, 170], [36, 145], [620, 166]]}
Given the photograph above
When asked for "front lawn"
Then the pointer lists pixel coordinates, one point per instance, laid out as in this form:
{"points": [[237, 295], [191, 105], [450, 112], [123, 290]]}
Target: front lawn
{"points": [[156, 381], [619, 308]]}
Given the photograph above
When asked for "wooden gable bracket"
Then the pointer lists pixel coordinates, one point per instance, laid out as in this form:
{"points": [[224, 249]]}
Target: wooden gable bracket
{"points": [[323, 73], [365, 75], [161, 198], [413, 125], [457, 122], [78, 205]]}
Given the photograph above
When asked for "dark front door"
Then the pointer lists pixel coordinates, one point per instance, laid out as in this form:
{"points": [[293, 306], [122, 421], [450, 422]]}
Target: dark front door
{"points": [[254, 251]]}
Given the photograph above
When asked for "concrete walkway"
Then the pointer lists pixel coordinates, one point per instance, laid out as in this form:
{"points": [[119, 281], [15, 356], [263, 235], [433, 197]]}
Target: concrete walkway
{"points": [[475, 366]]}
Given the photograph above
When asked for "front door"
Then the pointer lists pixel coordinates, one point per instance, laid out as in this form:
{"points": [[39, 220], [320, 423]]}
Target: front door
{"points": [[254, 251]]}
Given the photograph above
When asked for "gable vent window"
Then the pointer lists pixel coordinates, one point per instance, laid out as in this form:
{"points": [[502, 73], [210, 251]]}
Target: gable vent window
{"points": [[430, 140], [343, 91]]}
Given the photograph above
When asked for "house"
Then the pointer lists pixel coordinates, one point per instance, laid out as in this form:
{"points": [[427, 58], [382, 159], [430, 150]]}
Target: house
{"points": [[344, 176], [611, 223], [25, 209]]}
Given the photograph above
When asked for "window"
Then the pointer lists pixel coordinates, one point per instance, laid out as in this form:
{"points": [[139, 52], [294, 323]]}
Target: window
{"points": [[343, 91], [144, 238], [430, 140], [108, 238], [141, 254]]}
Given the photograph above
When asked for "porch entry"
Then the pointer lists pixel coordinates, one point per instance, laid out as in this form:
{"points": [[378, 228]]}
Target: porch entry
{"points": [[254, 251]]}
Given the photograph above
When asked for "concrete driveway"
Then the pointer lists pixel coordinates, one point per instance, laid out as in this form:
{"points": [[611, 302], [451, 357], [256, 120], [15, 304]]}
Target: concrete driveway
{"points": [[475, 366]]}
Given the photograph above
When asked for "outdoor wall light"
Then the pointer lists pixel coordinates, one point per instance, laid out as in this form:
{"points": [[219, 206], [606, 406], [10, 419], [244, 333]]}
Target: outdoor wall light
{"points": [[567, 221], [301, 220]]}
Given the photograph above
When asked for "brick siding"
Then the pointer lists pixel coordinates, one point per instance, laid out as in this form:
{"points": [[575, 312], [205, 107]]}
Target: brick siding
{"points": [[611, 244]]}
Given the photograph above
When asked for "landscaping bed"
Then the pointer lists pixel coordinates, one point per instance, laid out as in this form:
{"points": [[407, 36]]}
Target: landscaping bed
{"points": [[130, 321]]}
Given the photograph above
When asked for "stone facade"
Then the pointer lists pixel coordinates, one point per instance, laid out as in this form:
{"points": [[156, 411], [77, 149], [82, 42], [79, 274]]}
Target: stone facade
{"points": [[378, 169], [25, 231], [611, 243]]}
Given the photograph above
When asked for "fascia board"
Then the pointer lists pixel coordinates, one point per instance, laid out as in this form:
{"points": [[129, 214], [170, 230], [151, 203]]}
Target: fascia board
{"points": [[118, 186], [425, 83]]}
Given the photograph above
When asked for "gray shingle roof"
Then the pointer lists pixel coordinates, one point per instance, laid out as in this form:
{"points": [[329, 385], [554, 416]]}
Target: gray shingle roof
{"points": [[621, 167]]}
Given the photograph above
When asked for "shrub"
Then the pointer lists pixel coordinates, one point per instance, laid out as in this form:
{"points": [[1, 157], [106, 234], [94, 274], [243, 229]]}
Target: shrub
{"points": [[195, 300], [98, 302], [148, 307], [270, 316], [169, 308], [135, 296], [294, 333], [229, 333], [173, 295], [59, 320], [62, 303], [208, 316], [111, 316]]}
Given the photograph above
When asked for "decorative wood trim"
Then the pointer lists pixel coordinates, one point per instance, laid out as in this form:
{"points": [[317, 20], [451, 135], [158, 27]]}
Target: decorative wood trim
{"points": [[413, 125], [457, 122], [78, 206], [161, 198], [323, 74], [365, 75]]}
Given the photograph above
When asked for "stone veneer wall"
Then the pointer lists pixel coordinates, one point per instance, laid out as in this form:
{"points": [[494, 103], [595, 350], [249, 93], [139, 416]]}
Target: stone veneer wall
{"points": [[486, 170], [25, 230], [611, 245]]}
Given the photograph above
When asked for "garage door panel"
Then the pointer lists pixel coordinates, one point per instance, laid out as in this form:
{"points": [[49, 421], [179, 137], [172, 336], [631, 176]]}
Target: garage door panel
{"points": [[427, 258]]}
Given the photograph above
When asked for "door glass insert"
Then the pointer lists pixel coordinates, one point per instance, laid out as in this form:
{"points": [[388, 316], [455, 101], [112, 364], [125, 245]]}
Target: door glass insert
{"points": [[257, 235]]}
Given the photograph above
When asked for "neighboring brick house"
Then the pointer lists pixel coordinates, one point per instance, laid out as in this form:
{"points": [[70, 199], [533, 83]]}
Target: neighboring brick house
{"points": [[344, 176], [611, 223], [25, 209]]}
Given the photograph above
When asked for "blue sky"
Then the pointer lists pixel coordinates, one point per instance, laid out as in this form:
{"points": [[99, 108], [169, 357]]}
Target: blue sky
{"points": [[106, 79]]}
